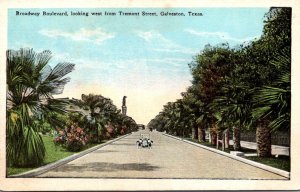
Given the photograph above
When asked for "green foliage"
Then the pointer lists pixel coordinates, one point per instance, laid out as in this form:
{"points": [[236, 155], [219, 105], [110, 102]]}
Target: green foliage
{"points": [[31, 145], [31, 108], [261, 53], [53, 153], [97, 113], [44, 127], [237, 87], [72, 138], [281, 162], [31, 82], [274, 102], [277, 28], [74, 146]]}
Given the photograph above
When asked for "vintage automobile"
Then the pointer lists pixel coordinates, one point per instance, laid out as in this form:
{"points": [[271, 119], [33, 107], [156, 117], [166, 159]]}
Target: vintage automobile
{"points": [[144, 141]]}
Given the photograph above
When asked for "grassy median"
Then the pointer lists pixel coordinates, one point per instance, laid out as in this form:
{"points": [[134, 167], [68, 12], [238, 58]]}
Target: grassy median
{"points": [[53, 153]]}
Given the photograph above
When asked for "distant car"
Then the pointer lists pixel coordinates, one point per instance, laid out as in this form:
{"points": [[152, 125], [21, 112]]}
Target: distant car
{"points": [[144, 141]]}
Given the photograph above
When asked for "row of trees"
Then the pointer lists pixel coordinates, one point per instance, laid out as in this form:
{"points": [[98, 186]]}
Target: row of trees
{"points": [[242, 88], [100, 118], [32, 109], [91, 119]]}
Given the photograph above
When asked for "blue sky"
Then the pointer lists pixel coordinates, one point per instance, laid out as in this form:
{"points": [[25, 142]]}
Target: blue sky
{"points": [[143, 57]]}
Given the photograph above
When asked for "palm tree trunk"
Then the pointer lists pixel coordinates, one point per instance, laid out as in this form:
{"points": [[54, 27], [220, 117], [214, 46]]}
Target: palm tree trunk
{"points": [[201, 134], [213, 138], [236, 138], [263, 139], [194, 132], [213, 133], [226, 139]]}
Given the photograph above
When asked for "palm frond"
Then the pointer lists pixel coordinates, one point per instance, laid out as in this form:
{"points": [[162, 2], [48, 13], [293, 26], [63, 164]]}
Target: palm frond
{"points": [[30, 85], [273, 102]]}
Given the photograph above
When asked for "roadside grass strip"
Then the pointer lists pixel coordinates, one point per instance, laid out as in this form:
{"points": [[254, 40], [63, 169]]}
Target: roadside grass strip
{"points": [[45, 168]]}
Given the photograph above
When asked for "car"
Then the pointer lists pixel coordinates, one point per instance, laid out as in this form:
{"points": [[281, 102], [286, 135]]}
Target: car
{"points": [[144, 141]]}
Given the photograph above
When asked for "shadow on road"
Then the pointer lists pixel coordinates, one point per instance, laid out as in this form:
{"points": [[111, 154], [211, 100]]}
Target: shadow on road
{"points": [[100, 167], [131, 139], [132, 144]]}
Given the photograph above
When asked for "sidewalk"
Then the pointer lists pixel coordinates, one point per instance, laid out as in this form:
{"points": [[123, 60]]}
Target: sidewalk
{"points": [[276, 149]]}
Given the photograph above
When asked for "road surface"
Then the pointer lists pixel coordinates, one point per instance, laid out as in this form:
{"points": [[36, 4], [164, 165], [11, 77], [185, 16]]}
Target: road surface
{"points": [[168, 158]]}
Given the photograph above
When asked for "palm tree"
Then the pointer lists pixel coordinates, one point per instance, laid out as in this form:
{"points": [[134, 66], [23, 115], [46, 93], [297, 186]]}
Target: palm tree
{"points": [[101, 111], [209, 70], [190, 109], [31, 84], [235, 109], [125, 123], [202, 121], [178, 114], [159, 122], [273, 105]]}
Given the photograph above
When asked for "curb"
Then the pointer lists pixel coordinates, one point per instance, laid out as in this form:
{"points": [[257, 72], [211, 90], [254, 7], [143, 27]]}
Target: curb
{"points": [[253, 163], [43, 169]]}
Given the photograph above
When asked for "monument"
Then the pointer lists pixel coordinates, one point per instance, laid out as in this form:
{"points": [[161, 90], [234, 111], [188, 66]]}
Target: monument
{"points": [[124, 107]]}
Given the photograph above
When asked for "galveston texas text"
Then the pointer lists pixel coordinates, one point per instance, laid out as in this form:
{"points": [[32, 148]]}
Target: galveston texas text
{"points": [[106, 13]]}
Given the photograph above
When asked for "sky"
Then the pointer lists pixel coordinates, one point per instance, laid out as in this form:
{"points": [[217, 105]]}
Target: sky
{"points": [[143, 57]]}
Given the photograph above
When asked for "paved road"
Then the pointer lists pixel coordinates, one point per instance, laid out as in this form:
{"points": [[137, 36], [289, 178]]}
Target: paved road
{"points": [[169, 158]]}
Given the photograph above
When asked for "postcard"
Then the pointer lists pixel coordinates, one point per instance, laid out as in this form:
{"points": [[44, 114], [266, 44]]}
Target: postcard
{"points": [[148, 95]]}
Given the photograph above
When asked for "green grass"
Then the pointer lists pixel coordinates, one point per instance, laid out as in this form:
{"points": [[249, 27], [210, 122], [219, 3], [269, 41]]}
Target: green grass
{"points": [[17, 170], [281, 162], [53, 153]]}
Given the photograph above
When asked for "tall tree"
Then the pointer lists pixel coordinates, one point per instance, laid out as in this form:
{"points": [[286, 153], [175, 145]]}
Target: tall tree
{"points": [[273, 105], [209, 70], [101, 111], [31, 84], [273, 51]]}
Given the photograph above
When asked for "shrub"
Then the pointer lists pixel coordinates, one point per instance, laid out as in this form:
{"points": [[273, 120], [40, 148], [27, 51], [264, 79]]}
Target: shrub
{"points": [[110, 131], [46, 128], [74, 145], [73, 138]]}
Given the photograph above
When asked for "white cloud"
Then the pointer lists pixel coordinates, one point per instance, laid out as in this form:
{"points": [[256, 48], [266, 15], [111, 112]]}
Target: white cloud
{"points": [[93, 35], [162, 44], [169, 63], [150, 35], [130, 72], [172, 61], [221, 35], [165, 62]]}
